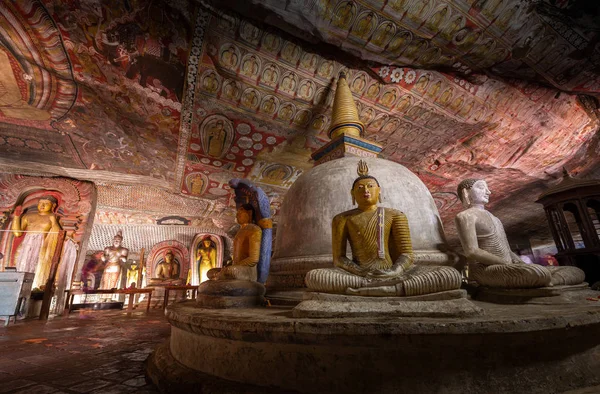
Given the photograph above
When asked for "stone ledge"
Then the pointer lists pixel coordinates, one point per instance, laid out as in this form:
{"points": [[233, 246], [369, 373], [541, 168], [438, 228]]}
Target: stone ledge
{"points": [[451, 303]]}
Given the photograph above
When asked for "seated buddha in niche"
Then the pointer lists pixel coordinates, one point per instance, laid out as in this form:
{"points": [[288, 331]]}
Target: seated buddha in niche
{"points": [[167, 271], [382, 256], [491, 262]]}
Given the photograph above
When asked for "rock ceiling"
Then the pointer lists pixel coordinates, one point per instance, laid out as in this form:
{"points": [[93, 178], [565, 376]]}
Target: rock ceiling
{"points": [[184, 96]]}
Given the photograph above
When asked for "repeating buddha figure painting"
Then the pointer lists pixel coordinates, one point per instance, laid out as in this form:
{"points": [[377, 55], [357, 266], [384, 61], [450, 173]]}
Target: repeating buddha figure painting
{"points": [[229, 57], [364, 25], [270, 74], [196, 183], [344, 14], [217, 134], [383, 34]]}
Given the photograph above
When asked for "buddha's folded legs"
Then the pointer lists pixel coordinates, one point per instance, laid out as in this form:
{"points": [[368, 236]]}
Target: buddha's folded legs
{"points": [[332, 280], [431, 279], [510, 275], [566, 275], [241, 272], [417, 281]]}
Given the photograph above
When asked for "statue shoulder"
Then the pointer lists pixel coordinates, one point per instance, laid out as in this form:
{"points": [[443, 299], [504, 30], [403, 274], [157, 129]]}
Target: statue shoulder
{"points": [[394, 212], [468, 215], [253, 227], [346, 214]]}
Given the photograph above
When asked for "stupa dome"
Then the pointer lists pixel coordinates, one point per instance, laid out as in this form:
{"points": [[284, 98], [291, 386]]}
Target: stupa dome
{"points": [[303, 239]]}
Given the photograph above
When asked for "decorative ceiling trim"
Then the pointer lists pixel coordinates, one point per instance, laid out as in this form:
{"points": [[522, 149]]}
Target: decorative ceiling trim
{"points": [[185, 126]]}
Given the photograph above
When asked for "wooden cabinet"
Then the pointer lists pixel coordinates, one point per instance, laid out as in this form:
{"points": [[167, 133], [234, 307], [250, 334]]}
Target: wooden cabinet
{"points": [[15, 290]]}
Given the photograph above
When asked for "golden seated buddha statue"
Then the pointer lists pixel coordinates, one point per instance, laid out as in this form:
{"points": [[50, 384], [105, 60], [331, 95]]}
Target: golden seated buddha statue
{"points": [[382, 256]]}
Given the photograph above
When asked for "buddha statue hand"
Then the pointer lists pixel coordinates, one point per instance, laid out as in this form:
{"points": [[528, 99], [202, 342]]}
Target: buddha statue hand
{"points": [[394, 272], [348, 265]]}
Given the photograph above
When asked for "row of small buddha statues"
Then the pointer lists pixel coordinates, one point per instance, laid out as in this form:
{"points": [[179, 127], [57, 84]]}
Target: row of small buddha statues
{"points": [[166, 272], [382, 262]]}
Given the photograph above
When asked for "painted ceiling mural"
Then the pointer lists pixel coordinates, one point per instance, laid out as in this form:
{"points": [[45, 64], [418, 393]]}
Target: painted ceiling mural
{"points": [[504, 90], [109, 74]]}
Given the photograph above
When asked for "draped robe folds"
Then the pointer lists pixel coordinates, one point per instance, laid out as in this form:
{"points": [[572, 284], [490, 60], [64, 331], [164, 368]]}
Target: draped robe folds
{"points": [[379, 239], [515, 273], [35, 253]]}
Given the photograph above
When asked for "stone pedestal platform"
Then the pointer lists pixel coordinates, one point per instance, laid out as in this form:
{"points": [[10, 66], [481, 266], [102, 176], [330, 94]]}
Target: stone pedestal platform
{"points": [[516, 348], [540, 296], [451, 303], [231, 293]]}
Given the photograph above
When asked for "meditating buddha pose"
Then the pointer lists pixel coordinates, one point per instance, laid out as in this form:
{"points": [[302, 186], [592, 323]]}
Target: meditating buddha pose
{"points": [[491, 262], [246, 247], [168, 268], [382, 255], [41, 237]]}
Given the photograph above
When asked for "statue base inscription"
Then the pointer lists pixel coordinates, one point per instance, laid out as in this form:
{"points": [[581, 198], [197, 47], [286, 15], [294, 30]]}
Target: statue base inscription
{"points": [[541, 295], [452, 303]]}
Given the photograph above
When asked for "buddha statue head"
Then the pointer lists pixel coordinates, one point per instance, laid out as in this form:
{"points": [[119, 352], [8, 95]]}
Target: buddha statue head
{"points": [[169, 257], [206, 242], [365, 189], [47, 204], [473, 192], [245, 214]]}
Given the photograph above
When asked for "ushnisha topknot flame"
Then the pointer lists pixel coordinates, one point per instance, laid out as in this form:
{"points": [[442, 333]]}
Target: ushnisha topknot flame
{"points": [[362, 169]]}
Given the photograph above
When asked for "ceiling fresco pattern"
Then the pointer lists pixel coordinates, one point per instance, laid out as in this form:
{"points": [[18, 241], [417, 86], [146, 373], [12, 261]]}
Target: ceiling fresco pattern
{"points": [[546, 40], [110, 75], [195, 94]]}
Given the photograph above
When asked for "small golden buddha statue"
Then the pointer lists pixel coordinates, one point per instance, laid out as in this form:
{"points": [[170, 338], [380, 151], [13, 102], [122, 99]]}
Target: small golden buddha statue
{"points": [[206, 258], [168, 268], [246, 247], [382, 255], [236, 285]]}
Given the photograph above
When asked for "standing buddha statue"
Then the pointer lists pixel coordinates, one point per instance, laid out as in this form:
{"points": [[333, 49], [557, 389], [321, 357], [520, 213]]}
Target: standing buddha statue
{"points": [[41, 237], [206, 258]]}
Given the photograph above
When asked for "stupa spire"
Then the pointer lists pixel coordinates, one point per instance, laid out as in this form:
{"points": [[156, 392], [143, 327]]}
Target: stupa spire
{"points": [[344, 116]]}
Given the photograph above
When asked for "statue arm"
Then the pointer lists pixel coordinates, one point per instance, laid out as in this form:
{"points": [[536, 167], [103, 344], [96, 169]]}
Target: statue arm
{"points": [[253, 250], [159, 271], [103, 257], [123, 255], [403, 244], [19, 223], [515, 258], [339, 240], [213, 258], [467, 233]]}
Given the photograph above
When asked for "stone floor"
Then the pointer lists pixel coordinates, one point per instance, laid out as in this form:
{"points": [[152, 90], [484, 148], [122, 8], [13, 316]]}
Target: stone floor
{"points": [[87, 352]]}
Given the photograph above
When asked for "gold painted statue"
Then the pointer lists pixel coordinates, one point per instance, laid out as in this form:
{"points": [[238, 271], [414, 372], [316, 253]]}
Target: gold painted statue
{"points": [[168, 268], [491, 262], [206, 258], [114, 257], [41, 237], [246, 247], [382, 255]]}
